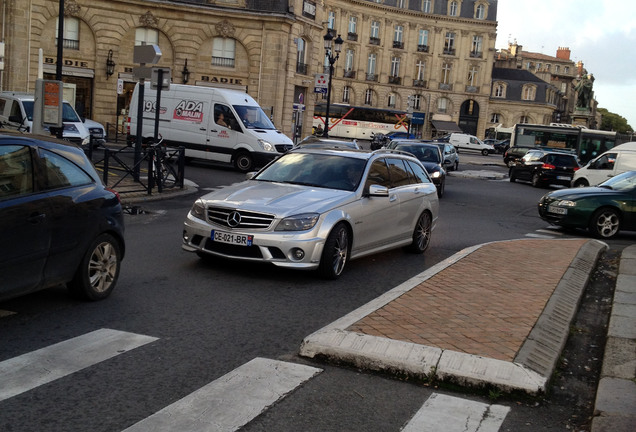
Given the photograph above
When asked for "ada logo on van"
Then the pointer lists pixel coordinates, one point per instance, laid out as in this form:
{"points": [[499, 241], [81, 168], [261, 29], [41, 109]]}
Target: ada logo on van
{"points": [[189, 111]]}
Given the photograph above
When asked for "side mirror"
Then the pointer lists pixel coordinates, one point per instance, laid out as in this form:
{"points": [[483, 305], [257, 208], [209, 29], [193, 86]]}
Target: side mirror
{"points": [[378, 191]]}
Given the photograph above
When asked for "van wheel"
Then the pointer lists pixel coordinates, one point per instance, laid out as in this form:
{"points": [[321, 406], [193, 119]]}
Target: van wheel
{"points": [[484, 152], [581, 183], [243, 161]]}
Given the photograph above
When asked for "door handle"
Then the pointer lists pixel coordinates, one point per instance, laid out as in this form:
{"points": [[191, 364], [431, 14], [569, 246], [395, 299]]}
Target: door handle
{"points": [[36, 217], [392, 198], [202, 129]]}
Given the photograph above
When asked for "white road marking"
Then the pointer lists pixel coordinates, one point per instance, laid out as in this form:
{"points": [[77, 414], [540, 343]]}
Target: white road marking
{"points": [[452, 414], [540, 236], [25, 372], [231, 401]]}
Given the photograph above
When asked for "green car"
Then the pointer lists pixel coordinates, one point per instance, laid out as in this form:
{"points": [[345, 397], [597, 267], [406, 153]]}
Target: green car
{"points": [[603, 210]]}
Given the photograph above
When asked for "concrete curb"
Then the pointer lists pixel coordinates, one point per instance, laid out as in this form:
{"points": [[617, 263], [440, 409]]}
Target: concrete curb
{"points": [[615, 405], [129, 198], [530, 372]]}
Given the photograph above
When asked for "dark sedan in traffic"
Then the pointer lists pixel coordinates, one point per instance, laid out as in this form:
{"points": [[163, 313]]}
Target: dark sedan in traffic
{"points": [[603, 210], [58, 223]]}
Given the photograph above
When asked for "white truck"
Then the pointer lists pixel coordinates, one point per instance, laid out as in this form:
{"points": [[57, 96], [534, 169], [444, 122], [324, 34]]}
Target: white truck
{"points": [[470, 142], [210, 123], [609, 164]]}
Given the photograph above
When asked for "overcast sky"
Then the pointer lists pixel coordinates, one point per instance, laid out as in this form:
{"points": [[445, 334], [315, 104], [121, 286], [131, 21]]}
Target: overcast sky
{"points": [[600, 33]]}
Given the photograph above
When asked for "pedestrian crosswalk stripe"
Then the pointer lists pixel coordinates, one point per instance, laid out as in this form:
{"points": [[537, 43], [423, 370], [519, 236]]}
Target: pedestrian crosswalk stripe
{"points": [[539, 236], [231, 401], [452, 414], [25, 372]]}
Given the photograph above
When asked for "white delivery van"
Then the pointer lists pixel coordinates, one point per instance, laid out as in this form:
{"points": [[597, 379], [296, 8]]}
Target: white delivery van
{"points": [[16, 112], [211, 123], [470, 142], [613, 162]]}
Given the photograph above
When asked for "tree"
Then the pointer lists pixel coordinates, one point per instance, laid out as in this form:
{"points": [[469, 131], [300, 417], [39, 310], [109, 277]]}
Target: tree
{"points": [[614, 122]]}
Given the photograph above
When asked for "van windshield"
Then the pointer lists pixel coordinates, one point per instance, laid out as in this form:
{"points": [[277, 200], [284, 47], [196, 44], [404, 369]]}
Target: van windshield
{"points": [[253, 117], [68, 113]]}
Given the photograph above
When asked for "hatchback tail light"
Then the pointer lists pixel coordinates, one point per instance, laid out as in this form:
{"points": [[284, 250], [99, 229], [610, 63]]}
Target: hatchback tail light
{"points": [[548, 166], [116, 194]]}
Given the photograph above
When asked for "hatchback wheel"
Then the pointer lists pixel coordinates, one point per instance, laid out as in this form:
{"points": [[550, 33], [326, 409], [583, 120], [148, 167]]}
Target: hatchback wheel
{"points": [[605, 223], [456, 165], [421, 234], [335, 253], [536, 181], [97, 274], [440, 190]]}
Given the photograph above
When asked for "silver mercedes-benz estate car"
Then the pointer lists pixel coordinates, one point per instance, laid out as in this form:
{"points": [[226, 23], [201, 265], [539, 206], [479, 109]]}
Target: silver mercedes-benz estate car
{"points": [[316, 209]]}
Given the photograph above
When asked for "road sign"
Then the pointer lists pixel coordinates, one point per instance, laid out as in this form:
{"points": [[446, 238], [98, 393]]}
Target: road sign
{"points": [[146, 54], [165, 78], [321, 81], [120, 86]]}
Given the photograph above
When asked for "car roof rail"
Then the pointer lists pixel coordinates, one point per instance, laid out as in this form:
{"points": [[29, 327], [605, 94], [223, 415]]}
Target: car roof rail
{"points": [[392, 151]]}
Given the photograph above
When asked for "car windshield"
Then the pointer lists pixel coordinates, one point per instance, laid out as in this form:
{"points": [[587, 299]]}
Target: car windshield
{"points": [[68, 113], [316, 170], [253, 117], [621, 182], [423, 153]]}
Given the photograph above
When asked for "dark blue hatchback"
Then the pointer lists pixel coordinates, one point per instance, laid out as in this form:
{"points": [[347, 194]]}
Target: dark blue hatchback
{"points": [[58, 223]]}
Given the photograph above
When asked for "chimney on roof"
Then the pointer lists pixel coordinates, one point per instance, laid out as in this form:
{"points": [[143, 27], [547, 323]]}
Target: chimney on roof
{"points": [[563, 53], [514, 48]]}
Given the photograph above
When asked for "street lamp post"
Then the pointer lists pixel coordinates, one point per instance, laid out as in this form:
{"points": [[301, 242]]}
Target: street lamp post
{"points": [[329, 53]]}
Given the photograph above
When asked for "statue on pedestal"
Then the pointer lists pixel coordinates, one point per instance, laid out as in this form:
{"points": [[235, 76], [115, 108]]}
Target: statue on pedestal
{"points": [[584, 90]]}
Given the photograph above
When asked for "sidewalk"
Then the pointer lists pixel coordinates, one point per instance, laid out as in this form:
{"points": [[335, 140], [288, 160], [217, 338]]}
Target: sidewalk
{"points": [[470, 321]]}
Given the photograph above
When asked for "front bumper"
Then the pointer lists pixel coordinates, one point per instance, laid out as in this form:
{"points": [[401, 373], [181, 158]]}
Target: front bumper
{"points": [[274, 247]]}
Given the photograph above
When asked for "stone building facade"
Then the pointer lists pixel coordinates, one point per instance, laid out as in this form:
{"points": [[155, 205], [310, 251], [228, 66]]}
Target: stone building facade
{"points": [[438, 52]]}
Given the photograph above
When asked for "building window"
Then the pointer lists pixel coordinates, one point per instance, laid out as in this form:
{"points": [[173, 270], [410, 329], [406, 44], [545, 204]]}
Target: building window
{"points": [[371, 64], [477, 46], [449, 43], [426, 6], [391, 100], [480, 12], [557, 69], [422, 41], [494, 118], [417, 102], [398, 35], [301, 63], [353, 25], [528, 93], [453, 8], [223, 51], [401, 4], [564, 87], [442, 105], [70, 38], [446, 73], [566, 69], [375, 29], [499, 91], [395, 66], [146, 36], [472, 76], [349, 58], [331, 20], [345, 94], [524, 119], [420, 69], [368, 97]]}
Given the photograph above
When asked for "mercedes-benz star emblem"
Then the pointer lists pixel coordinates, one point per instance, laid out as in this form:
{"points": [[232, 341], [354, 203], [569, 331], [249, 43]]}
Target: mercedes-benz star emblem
{"points": [[234, 219]]}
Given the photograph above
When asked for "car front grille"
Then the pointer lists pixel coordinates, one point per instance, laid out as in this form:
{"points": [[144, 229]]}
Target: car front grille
{"points": [[241, 219], [282, 148]]}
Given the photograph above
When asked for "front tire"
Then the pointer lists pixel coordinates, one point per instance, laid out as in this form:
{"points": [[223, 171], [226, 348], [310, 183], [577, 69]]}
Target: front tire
{"points": [[243, 161], [605, 223], [440, 190], [335, 253], [581, 183], [484, 152], [97, 274], [421, 234]]}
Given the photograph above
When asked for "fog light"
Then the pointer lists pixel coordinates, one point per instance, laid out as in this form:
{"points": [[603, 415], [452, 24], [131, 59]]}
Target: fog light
{"points": [[186, 237], [297, 254]]}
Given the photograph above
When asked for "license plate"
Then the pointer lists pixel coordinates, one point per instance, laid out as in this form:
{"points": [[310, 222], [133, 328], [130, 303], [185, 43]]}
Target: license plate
{"points": [[564, 178], [557, 210], [229, 238]]}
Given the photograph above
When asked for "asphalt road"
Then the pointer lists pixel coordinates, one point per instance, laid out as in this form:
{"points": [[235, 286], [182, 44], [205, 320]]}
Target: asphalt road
{"points": [[210, 319]]}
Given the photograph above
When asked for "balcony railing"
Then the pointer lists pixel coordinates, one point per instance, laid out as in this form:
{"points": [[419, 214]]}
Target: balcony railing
{"points": [[69, 44], [352, 36], [422, 48], [395, 80], [449, 51], [223, 61], [398, 44], [475, 54], [420, 83], [374, 41], [301, 68], [371, 77], [349, 74], [443, 86]]}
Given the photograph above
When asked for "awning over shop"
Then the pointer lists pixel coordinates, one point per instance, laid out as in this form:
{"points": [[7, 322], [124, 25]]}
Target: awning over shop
{"points": [[446, 126]]}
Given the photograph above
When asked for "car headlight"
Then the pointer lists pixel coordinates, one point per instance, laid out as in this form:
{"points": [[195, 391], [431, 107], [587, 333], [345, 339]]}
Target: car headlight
{"points": [[436, 174], [198, 210], [565, 203], [266, 145], [301, 222], [86, 140]]}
